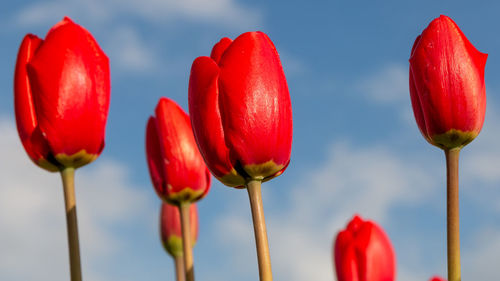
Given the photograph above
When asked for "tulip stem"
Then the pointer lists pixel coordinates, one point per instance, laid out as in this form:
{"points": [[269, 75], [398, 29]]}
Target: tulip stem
{"points": [[179, 268], [68, 179], [186, 240], [453, 229], [259, 225]]}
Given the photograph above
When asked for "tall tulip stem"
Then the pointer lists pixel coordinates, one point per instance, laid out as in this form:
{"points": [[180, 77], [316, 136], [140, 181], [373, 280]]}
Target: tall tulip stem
{"points": [[453, 229], [186, 240], [68, 179], [179, 268], [259, 225]]}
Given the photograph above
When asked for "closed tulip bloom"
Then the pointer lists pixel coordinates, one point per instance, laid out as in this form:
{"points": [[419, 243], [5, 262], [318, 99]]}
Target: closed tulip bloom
{"points": [[447, 86], [437, 278], [170, 228], [363, 252], [61, 96], [241, 111], [177, 169]]}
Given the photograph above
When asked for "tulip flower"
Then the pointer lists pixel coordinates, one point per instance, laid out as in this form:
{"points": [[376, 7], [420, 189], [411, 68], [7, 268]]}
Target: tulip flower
{"points": [[242, 120], [177, 170], [240, 110], [61, 101], [171, 233], [449, 101], [447, 85], [437, 278], [363, 252], [61, 96]]}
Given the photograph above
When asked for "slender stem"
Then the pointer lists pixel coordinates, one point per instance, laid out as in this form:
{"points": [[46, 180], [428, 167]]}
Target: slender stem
{"points": [[186, 241], [259, 226], [179, 268], [68, 179], [453, 229]]}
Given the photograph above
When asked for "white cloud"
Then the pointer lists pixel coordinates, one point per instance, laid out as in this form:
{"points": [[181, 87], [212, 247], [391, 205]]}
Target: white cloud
{"points": [[388, 85], [32, 222], [369, 181], [154, 11], [482, 258], [127, 52]]}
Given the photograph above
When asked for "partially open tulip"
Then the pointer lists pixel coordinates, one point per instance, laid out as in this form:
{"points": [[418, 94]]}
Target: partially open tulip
{"points": [[447, 85], [363, 252], [240, 110], [170, 228], [177, 169], [61, 96], [437, 278]]}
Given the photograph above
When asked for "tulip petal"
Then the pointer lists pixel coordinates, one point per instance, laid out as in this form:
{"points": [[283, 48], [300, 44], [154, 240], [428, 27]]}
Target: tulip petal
{"points": [[185, 174], [205, 117], [220, 48], [363, 252], [71, 74], [31, 137], [154, 159], [255, 106], [345, 257]]}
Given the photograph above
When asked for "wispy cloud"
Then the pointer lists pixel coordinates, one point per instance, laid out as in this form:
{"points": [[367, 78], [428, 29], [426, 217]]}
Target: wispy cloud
{"points": [[388, 85], [32, 223], [216, 12], [370, 181], [129, 53]]}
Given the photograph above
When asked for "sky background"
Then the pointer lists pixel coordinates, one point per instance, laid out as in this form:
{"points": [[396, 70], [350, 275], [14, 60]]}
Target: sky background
{"points": [[356, 146]]}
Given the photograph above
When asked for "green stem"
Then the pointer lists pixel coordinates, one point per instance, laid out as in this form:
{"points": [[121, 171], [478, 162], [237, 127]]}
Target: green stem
{"points": [[453, 229], [259, 225], [186, 240], [68, 179], [179, 268]]}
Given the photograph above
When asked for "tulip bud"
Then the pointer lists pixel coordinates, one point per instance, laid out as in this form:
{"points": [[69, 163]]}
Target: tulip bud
{"points": [[447, 85], [175, 164], [240, 110], [363, 252], [61, 96], [437, 278], [170, 228]]}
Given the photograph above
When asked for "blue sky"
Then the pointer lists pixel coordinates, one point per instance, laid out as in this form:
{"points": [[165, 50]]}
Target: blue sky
{"points": [[356, 145]]}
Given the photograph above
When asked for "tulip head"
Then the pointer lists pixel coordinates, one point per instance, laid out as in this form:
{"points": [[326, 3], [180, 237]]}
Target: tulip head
{"points": [[61, 96], [363, 252], [437, 278], [175, 164], [241, 111], [171, 230], [447, 85]]}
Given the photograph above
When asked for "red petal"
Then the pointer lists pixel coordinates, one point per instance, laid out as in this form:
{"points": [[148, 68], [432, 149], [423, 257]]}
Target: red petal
{"points": [[345, 257], [153, 154], [23, 100], [205, 118], [219, 49], [69, 77], [184, 169], [363, 252], [448, 78], [255, 104]]}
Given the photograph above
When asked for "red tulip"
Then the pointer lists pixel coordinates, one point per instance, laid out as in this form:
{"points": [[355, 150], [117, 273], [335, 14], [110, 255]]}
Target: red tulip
{"points": [[437, 278], [447, 85], [175, 164], [240, 110], [363, 252], [61, 96], [170, 228]]}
